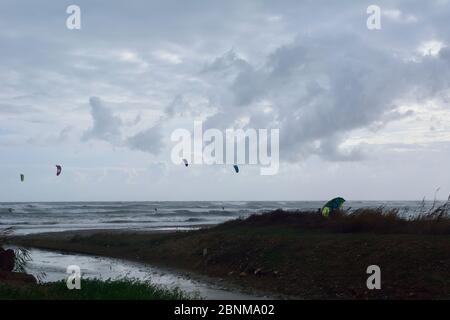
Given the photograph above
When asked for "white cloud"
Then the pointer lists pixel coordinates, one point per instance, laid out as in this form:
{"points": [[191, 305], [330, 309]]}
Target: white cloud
{"points": [[399, 16], [167, 57], [431, 48]]}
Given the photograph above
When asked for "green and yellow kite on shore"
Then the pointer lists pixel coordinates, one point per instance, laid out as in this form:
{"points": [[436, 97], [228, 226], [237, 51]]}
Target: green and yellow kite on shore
{"points": [[333, 204]]}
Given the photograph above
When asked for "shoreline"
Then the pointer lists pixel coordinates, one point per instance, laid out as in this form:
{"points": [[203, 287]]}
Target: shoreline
{"points": [[291, 255]]}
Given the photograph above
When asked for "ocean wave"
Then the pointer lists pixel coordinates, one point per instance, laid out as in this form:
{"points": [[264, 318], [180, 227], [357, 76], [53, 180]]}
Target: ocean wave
{"points": [[195, 220], [118, 221], [42, 217], [14, 223]]}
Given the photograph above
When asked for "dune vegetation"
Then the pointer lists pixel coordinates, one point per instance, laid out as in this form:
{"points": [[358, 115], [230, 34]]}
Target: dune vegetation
{"points": [[92, 289], [300, 254]]}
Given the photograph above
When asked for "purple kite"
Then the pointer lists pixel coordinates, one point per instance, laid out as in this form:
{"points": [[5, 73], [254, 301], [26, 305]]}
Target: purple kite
{"points": [[58, 170]]}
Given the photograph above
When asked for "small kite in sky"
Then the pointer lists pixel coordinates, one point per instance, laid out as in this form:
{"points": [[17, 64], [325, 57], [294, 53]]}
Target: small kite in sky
{"points": [[58, 170]]}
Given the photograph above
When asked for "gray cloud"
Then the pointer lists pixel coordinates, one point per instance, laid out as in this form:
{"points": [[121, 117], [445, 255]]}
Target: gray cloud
{"points": [[148, 140], [105, 125], [310, 68], [10, 109], [321, 88], [108, 127]]}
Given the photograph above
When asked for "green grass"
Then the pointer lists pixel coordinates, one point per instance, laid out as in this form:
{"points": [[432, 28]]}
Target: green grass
{"points": [[93, 289]]}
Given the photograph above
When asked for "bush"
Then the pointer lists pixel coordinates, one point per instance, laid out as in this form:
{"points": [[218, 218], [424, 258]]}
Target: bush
{"points": [[376, 220], [22, 256]]}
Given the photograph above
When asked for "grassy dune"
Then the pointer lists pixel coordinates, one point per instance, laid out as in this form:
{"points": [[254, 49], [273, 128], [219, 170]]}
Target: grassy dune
{"points": [[295, 253]]}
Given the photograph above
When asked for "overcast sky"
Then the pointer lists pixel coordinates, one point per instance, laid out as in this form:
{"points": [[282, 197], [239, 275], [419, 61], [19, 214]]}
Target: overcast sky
{"points": [[363, 114]]}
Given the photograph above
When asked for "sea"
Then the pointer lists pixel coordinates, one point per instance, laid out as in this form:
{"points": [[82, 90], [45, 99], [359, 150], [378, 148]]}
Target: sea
{"points": [[37, 217]]}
